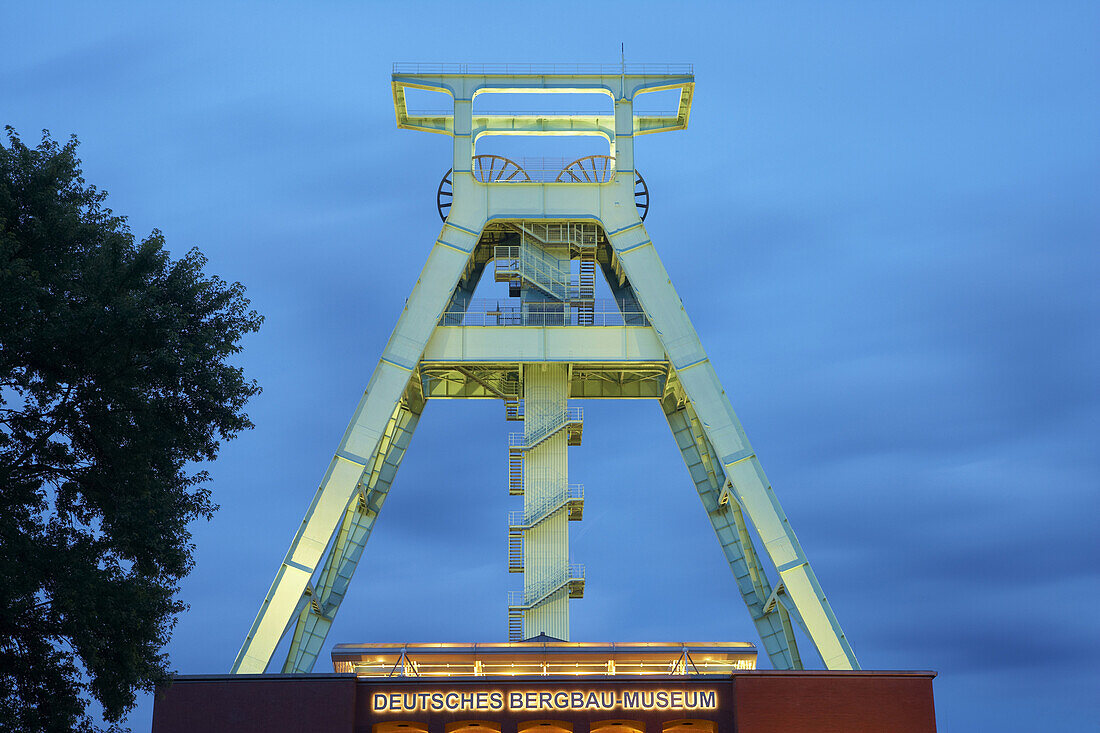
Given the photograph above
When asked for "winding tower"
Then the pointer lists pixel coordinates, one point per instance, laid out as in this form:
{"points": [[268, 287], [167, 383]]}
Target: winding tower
{"points": [[549, 231]]}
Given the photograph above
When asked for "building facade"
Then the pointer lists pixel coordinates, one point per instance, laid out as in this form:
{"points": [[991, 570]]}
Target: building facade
{"points": [[550, 687]]}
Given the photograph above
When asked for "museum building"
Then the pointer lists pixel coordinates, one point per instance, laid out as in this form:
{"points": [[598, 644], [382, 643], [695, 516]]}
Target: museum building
{"points": [[548, 686]]}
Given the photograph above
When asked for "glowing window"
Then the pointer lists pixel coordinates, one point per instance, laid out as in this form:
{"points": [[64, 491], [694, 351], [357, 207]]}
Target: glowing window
{"points": [[399, 726], [617, 726], [688, 726], [472, 726], [545, 726]]}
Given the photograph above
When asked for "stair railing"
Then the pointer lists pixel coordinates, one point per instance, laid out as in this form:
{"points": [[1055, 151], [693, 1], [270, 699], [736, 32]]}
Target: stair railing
{"points": [[539, 434], [537, 592], [546, 507]]}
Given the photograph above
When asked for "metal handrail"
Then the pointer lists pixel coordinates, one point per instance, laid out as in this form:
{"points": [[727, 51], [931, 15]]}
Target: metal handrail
{"points": [[416, 67], [538, 512], [603, 313], [536, 436], [573, 233], [534, 265], [541, 170], [537, 592], [539, 115]]}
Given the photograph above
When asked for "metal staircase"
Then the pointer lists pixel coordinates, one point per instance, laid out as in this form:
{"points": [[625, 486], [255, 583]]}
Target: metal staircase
{"points": [[529, 262], [571, 420], [571, 498], [515, 550], [533, 265], [586, 285], [570, 579], [515, 473], [515, 624], [513, 410]]}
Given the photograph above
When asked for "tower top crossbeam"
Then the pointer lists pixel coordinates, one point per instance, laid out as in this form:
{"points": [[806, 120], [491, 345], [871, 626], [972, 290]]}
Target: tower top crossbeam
{"points": [[463, 82], [509, 69]]}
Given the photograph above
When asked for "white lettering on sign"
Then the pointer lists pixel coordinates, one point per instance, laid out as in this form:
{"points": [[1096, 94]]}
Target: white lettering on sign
{"points": [[530, 700]]}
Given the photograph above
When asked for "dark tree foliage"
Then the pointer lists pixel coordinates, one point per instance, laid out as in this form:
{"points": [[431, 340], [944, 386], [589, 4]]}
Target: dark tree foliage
{"points": [[114, 382]]}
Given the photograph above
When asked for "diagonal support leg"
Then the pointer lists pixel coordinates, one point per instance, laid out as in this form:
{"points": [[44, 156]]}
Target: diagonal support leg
{"points": [[323, 601], [726, 517], [446, 263], [751, 489]]}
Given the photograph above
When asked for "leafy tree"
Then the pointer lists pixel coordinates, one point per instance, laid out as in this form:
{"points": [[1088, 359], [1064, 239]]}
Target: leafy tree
{"points": [[114, 382]]}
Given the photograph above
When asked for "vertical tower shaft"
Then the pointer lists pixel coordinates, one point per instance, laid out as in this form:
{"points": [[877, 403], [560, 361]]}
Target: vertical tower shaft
{"points": [[538, 536], [545, 482]]}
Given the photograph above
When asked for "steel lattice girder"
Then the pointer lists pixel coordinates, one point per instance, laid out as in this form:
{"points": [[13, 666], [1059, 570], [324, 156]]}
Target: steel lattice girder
{"points": [[774, 625], [319, 607]]}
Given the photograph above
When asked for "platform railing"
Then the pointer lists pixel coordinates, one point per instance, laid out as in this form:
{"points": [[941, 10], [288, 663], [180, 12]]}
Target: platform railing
{"points": [[508, 69], [540, 115], [540, 170], [605, 312], [572, 233]]}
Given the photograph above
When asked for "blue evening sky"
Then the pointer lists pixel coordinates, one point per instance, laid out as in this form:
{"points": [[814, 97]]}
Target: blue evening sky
{"points": [[883, 220]]}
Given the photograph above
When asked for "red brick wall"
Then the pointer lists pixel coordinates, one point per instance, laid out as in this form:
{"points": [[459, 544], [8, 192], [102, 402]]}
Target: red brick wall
{"points": [[833, 702], [752, 702], [257, 705]]}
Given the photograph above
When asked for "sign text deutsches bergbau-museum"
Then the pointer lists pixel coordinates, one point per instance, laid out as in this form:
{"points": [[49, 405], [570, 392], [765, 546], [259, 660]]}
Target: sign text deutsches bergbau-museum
{"points": [[563, 700]]}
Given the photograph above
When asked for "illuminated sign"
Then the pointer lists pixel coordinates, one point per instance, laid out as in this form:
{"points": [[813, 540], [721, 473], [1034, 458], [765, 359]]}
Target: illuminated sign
{"points": [[524, 700]]}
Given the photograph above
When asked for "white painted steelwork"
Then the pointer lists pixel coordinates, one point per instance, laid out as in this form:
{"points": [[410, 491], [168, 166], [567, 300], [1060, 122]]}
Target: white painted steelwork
{"points": [[548, 584], [558, 335]]}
